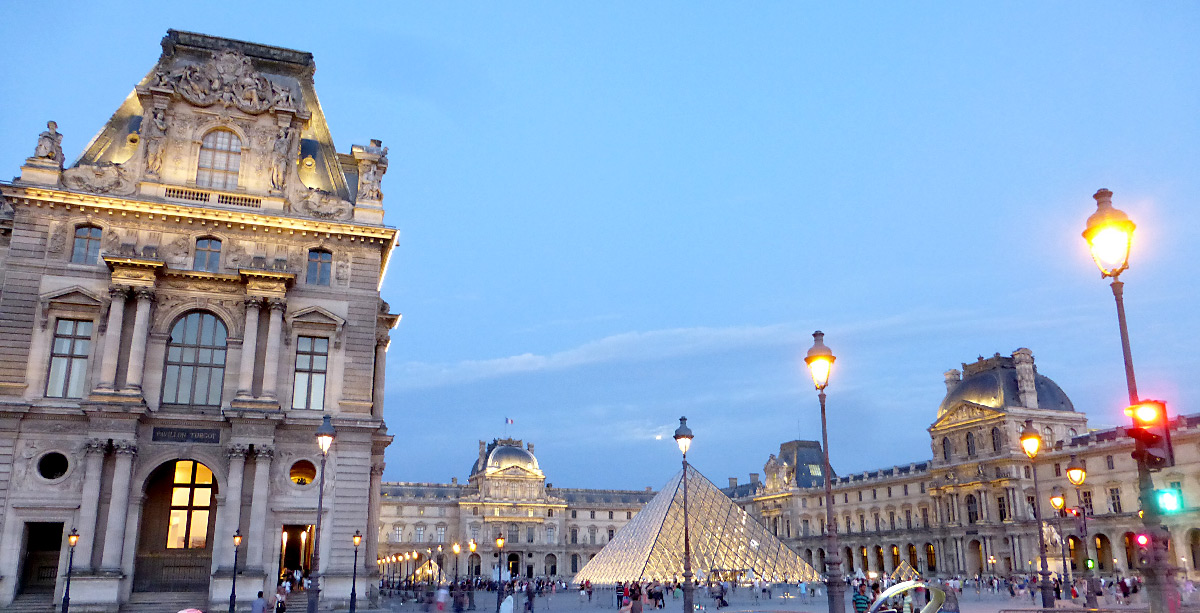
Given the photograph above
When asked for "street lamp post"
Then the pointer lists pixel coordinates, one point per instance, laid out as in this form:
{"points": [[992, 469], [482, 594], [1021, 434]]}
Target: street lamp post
{"points": [[72, 539], [237, 546], [457, 550], [1076, 474], [683, 437], [354, 574], [471, 584], [820, 361], [1109, 234], [325, 436], [1031, 441], [1058, 500], [499, 572]]}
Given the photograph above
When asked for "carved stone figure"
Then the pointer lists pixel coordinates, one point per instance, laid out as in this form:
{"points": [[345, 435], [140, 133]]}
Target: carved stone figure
{"points": [[102, 178], [59, 237], [156, 130], [370, 172], [229, 79], [49, 144], [280, 157], [324, 205]]}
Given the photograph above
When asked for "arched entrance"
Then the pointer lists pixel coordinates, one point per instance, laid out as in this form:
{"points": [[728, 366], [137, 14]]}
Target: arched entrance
{"points": [[474, 562], [930, 558], [1130, 551], [912, 557], [551, 567], [821, 559], [1075, 553], [878, 559], [175, 547], [514, 565], [895, 558], [1104, 554], [974, 557], [1193, 541], [848, 564]]}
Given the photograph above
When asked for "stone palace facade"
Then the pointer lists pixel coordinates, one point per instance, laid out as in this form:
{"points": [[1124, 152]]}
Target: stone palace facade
{"points": [[179, 310], [549, 531], [968, 509]]}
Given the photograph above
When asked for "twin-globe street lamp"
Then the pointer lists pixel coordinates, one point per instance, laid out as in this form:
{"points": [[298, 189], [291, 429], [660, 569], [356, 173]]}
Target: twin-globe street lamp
{"points": [[683, 438], [325, 435], [820, 361], [1109, 234], [1031, 442]]}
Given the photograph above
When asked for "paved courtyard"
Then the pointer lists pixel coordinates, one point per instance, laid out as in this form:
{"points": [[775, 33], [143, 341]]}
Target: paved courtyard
{"points": [[742, 602]]}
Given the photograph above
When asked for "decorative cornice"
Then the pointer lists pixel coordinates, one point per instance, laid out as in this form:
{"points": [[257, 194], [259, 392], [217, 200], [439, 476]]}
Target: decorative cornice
{"points": [[156, 210]]}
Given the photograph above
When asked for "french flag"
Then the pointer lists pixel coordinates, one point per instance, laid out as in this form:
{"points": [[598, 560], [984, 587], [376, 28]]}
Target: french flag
{"points": [[507, 421]]}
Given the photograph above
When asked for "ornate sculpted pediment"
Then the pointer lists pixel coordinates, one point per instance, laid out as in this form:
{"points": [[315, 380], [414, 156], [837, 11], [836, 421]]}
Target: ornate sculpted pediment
{"points": [[965, 412], [324, 205], [72, 300], [228, 79], [102, 178]]}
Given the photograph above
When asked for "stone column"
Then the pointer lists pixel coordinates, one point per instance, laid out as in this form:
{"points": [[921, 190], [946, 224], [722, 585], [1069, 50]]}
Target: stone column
{"points": [[232, 519], [93, 465], [274, 331], [114, 533], [381, 347], [249, 349], [258, 507], [137, 348], [112, 338]]}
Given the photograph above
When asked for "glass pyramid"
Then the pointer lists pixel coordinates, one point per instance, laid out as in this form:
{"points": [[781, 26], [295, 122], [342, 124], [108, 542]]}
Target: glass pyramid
{"points": [[727, 543]]}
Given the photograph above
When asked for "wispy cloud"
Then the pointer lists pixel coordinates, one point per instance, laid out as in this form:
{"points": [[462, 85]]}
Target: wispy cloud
{"points": [[624, 347]]}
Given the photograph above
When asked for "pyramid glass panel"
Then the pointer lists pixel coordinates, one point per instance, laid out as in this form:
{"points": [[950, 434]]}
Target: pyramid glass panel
{"points": [[727, 543]]}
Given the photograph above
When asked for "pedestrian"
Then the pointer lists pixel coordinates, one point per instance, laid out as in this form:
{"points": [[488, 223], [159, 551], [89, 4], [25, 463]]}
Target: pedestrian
{"points": [[861, 600], [259, 605]]}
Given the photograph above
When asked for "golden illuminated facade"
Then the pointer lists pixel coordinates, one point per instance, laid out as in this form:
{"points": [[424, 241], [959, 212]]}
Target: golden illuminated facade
{"points": [[549, 531], [179, 309], [968, 510]]}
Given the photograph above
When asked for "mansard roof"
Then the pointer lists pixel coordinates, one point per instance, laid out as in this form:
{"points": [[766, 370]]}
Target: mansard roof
{"points": [[226, 74]]}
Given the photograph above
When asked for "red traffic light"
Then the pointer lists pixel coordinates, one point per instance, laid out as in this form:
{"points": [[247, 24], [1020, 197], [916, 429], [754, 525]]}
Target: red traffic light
{"points": [[1152, 434], [1143, 540], [1147, 412]]}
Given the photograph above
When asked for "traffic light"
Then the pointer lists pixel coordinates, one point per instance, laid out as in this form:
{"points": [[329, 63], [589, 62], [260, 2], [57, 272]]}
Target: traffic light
{"points": [[1168, 500], [1090, 563], [1080, 520], [1143, 544], [1152, 434]]}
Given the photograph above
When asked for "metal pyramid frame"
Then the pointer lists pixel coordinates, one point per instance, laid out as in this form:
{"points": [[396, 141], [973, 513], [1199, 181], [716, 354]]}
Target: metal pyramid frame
{"points": [[905, 572], [726, 541], [429, 571]]}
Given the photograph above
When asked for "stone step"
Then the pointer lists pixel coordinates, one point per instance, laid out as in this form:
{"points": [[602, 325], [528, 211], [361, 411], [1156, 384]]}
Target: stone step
{"points": [[32, 603]]}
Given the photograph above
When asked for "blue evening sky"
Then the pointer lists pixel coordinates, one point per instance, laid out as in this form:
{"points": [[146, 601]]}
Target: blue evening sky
{"points": [[617, 213]]}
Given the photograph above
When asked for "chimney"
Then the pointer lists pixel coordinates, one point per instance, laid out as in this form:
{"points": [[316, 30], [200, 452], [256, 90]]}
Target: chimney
{"points": [[754, 478], [453, 480], [1026, 371], [953, 377], [482, 453], [529, 446], [648, 489], [733, 482]]}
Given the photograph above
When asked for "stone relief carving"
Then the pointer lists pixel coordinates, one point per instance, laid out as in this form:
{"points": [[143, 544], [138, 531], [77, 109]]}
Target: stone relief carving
{"points": [[236, 256], [229, 79], [371, 169], [112, 241], [49, 145], [341, 269], [102, 178], [59, 236], [324, 205]]}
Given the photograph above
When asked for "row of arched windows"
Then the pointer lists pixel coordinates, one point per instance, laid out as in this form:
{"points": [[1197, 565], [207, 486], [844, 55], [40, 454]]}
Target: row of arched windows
{"points": [[207, 257], [972, 448]]}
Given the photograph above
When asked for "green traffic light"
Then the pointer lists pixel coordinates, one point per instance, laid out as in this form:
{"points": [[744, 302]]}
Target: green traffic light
{"points": [[1091, 564], [1168, 500]]}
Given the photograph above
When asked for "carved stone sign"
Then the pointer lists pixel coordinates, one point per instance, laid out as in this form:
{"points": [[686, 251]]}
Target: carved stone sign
{"points": [[210, 436]]}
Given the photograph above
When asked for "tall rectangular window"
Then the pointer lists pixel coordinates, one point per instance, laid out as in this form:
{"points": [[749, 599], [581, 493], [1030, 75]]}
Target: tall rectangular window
{"points": [[1002, 507], [804, 527], [550, 535], [475, 533], [1114, 499], [441, 534], [87, 245], [312, 364], [319, 264], [529, 534], [924, 517], [419, 534], [1086, 495], [908, 518], [68, 359], [1108, 460]]}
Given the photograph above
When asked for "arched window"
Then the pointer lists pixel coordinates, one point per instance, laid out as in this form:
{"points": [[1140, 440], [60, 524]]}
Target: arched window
{"points": [[208, 255], [996, 440], [946, 449], [195, 367], [1047, 437], [87, 245], [970, 444], [220, 160], [320, 262], [1072, 433], [972, 509]]}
